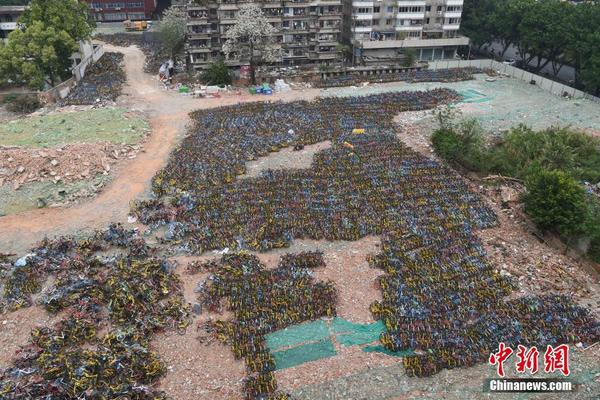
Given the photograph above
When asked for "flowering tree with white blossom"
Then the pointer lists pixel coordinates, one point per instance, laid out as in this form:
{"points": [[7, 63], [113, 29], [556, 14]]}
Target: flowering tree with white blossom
{"points": [[252, 38]]}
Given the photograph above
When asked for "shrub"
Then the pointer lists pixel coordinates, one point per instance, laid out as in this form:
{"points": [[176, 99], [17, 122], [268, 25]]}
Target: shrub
{"points": [[556, 202], [24, 104], [9, 98], [217, 73], [524, 151], [462, 145]]}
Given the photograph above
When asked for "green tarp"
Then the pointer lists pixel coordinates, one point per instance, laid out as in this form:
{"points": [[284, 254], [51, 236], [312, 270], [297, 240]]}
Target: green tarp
{"points": [[305, 353], [351, 334], [297, 334]]}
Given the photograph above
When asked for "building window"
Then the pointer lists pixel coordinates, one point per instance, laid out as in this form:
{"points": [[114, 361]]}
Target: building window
{"points": [[136, 4], [453, 8], [364, 10], [390, 9], [97, 6], [133, 16], [439, 8], [388, 21], [410, 9], [453, 21], [414, 34], [427, 8], [376, 9], [115, 16]]}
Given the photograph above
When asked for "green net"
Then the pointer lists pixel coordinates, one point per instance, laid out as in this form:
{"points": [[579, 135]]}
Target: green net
{"points": [[297, 334], [351, 334], [305, 353], [473, 96]]}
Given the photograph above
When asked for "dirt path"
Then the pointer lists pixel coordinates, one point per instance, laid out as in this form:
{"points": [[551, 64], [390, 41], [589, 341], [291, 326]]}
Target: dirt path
{"points": [[168, 116]]}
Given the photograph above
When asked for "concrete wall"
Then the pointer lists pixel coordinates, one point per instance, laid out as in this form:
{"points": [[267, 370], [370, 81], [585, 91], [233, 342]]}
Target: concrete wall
{"points": [[91, 54], [551, 86]]}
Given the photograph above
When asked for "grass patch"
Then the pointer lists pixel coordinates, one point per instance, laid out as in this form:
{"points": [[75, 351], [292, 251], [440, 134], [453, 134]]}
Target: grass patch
{"points": [[91, 126], [26, 198]]}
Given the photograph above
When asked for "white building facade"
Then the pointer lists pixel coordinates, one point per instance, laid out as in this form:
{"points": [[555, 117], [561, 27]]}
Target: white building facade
{"points": [[382, 31]]}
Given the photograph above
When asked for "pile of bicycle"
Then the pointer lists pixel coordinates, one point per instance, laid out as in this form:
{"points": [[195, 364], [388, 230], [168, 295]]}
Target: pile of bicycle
{"points": [[263, 301], [442, 299], [109, 308], [409, 75]]}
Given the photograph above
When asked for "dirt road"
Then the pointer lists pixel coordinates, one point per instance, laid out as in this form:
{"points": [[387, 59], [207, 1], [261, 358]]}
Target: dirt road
{"points": [[168, 115]]}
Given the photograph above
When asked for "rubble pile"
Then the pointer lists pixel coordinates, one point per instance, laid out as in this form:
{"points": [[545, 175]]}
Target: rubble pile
{"points": [[67, 163], [110, 306], [102, 83]]}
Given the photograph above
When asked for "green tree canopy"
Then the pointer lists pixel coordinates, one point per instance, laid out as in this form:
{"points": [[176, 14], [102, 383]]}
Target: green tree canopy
{"points": [[69, 16], [217, 73], [556, 202], [37, 55]]}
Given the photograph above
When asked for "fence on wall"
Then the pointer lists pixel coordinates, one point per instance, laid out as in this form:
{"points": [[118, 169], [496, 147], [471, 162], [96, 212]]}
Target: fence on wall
{"points": [[517, 73]]}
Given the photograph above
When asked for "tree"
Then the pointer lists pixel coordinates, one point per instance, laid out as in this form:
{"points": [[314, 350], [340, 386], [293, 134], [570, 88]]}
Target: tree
{"points": [[590, 67], [556, 202], [345, 50], [69, 16], [410, 57], [252, 38], [476, 22], [506, 22], [37, 55], [544, 32], [172, 29], [217, 73]]}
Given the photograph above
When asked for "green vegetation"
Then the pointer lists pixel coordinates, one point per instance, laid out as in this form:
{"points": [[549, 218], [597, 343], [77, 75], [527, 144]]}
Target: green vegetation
{"points": [[551, 32], [96, 125], [217, 73], [556, 201], [38, 54], [552, 162], [410, 57], [22, 104]]}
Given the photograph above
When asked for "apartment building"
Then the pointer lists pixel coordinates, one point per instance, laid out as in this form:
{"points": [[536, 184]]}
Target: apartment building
{"points": [[8, 19], [121, 10], [382, 31], [308, 31]]}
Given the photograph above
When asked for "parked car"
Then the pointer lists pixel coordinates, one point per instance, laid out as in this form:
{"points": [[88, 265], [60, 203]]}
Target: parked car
{"points": [[510, 61]]}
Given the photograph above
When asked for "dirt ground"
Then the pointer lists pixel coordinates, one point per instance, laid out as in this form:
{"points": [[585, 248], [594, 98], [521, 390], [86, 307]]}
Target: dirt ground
{"points": [[197, 370]]}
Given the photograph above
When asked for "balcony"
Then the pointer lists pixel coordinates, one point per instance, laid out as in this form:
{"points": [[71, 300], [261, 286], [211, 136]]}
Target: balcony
{"points": [[411, 15], [411, 3]]}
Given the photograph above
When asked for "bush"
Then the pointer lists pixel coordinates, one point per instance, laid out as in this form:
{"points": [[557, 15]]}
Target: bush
{"points": [[462, 145], [24, 104], [9, 98], [556, 202], [524, 152], [217, 73]]}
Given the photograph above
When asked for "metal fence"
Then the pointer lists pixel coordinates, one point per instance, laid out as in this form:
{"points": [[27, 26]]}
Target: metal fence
{"points": [[549, 85]]}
